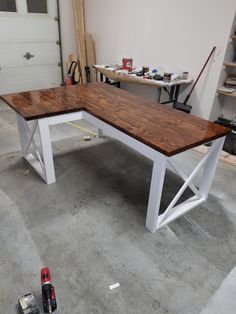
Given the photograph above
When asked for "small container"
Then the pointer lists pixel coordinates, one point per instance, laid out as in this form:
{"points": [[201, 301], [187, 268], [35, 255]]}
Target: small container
{"points": [[145, 70], [167, 77], [28, 304], [185, 75], [127, 64]]}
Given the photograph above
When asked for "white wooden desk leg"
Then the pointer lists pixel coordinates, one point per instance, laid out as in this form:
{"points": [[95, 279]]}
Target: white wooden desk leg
{"points": [[46, 145], [157, 181], [23, 132], [210, 167]]}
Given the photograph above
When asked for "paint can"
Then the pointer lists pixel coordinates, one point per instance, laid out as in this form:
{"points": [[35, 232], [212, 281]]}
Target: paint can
{"points": [[127, 64], [167, 77], [145, 70]]}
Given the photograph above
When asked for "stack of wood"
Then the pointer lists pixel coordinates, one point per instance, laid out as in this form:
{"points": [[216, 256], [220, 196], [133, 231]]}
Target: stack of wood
{"points": [[91, 56], [85, 42]]}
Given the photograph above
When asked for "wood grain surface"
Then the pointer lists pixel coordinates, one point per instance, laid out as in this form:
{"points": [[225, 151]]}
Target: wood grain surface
{"points": [[167, 130]]}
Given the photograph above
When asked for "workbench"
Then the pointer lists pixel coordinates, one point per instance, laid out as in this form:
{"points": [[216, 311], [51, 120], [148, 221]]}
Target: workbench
{"points": [[172, 88], [157, 132]]}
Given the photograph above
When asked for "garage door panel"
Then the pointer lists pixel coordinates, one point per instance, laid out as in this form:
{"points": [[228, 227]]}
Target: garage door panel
{"points": [[21, 29], [21, 79], [13, 54], [33, 33]]}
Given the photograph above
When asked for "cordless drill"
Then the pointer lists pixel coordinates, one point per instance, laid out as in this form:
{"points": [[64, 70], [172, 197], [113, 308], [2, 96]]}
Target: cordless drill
{"points": [[48, 291]]}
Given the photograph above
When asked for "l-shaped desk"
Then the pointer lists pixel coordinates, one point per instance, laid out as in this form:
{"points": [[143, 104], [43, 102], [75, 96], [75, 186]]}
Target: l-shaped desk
{"points": [[157, 132]]}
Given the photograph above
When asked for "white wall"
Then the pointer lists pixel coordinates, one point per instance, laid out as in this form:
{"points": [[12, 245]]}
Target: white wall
{"points": [[174, 34], [67, 29]]}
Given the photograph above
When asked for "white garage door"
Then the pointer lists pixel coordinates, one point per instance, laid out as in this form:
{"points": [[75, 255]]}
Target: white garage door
{"points": [[29, 52]]}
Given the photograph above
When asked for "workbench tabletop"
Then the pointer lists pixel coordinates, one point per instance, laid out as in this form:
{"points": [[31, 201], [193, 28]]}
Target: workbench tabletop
{"points": [[119, 75], [166, 130]]}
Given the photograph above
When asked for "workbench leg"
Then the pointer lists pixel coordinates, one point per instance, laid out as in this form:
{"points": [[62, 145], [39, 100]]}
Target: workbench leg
{"points": [[159, 90], [157, 181], [176, 96], [171, 96], [46, 145]]}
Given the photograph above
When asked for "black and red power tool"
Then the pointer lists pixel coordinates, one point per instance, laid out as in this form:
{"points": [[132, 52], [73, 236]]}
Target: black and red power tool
{"points": [[48, 291]]}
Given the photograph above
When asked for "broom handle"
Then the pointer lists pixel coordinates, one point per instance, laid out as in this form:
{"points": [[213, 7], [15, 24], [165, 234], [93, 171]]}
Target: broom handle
{"points": [[214, 48]]}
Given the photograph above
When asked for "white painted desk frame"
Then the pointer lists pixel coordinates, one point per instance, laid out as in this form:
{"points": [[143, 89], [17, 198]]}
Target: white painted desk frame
{"points": [[43, 164]]}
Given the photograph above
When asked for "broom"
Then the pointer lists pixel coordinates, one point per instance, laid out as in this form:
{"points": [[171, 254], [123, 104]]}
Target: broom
{"points": [[183, 106]]}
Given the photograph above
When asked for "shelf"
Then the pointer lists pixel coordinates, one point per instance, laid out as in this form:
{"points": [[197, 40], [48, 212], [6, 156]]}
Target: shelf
{"points": [[227, 94], [233, 37], [230, 64]]}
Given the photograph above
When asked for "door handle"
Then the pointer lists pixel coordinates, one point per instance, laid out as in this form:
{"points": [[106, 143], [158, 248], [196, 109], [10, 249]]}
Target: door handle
{"points": [[28, 55]]}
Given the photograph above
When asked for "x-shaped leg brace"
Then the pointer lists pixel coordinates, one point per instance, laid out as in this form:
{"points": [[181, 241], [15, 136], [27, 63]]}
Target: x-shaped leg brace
{"points": [[42, 164], [155, 221]]}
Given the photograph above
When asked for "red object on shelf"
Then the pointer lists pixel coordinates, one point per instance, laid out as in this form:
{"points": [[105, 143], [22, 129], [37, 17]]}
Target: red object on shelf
{"points": [[127, 64]]}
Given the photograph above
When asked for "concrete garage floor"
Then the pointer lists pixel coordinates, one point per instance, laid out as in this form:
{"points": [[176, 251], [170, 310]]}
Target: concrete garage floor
{"points": [[89, 228]]}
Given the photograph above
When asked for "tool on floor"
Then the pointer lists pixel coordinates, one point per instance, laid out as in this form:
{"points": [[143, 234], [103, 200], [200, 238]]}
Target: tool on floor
{"points": [[28, 304], [70, 77], [87, 138], [48, 291], [183, 106], [114, 286], [81, 128]]}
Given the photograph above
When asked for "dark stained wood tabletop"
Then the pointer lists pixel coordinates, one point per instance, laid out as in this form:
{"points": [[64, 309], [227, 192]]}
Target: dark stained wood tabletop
{"points": [[167, 130]]}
